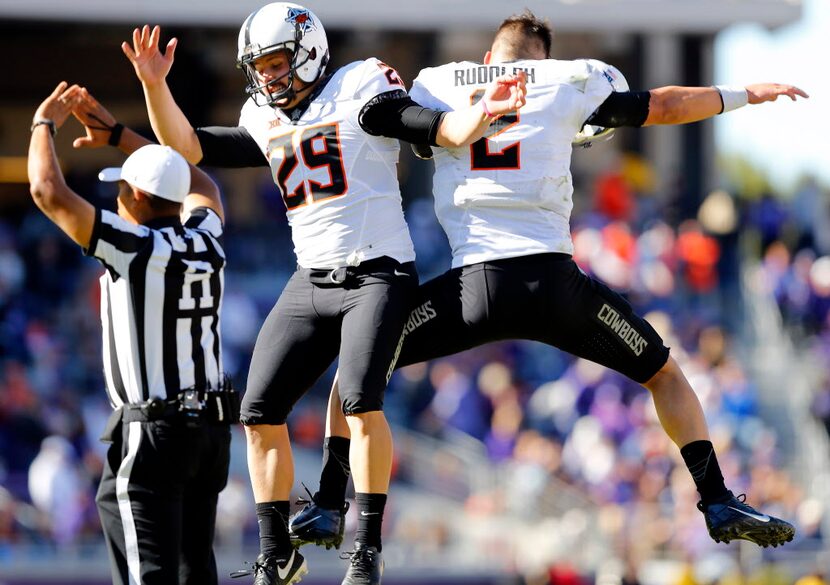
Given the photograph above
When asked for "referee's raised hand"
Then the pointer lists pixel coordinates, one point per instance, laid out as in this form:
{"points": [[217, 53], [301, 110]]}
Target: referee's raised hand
{"points": [[98, 122], [59, 104]]}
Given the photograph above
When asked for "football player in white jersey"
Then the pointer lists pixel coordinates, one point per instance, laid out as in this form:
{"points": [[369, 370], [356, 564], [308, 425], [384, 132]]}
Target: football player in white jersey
{"points": [[505, 204], [331, 141]]}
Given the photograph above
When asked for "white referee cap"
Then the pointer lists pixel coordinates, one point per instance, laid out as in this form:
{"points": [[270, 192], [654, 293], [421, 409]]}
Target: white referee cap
{"points": [[154, 169]]}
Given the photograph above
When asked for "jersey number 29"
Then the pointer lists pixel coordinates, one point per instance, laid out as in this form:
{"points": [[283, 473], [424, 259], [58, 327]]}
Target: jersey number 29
{"points": [[317, 147]]}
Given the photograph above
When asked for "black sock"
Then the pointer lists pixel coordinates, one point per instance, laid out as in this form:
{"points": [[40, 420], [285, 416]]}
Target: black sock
{"points": [[702, 462], [369, 519], [272, 518], [335, 475]]}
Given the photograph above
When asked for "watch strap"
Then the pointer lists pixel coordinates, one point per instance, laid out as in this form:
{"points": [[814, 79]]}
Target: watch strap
{"points": [[45, 122]]}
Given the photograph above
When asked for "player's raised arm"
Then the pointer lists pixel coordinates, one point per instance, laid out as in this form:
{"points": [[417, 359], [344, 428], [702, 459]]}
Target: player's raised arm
{"points": [[70, 212], [152, 66], [682, 105], [395, 114], [504, 95]]}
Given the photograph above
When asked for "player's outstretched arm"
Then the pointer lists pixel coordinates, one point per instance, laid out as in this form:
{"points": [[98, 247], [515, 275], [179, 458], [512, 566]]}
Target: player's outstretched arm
{"points": [[70, 212], [682, 105], [151, 67], [504, 95]]}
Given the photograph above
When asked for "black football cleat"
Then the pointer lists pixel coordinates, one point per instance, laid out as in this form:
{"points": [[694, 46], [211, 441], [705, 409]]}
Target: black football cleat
{"points": [[274, 571], [365, 566], [315, 525], [731, 518]]}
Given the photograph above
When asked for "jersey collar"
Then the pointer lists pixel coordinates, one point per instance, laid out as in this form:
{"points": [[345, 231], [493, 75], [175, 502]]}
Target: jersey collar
{"points": [[162, 222], [294, 114]]}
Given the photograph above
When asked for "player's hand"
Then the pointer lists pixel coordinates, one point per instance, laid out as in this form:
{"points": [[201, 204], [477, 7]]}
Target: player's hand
{"points": [[506, 93], [59, 104], [97, 120], [151, 65], [769, 92]]}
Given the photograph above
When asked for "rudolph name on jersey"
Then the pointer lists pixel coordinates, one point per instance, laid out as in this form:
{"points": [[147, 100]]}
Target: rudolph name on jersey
{"points": [[510, 194], [339, 184]]}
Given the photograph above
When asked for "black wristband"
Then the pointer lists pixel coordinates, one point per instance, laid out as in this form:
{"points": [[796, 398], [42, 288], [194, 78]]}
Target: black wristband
{"points": [[115, 134], [45, 122]]}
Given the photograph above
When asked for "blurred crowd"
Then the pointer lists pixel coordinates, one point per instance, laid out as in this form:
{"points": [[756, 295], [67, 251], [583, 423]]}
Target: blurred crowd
{"points": [[538, 414], [795, 270]]}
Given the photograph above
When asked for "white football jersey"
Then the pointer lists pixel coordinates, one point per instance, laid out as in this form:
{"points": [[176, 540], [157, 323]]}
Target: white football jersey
{"points": [[510, 194], [339, 184]]}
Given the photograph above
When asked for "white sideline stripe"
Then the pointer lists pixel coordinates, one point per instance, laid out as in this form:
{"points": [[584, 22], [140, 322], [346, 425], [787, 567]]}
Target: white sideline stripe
{"points": [[122, 483]]}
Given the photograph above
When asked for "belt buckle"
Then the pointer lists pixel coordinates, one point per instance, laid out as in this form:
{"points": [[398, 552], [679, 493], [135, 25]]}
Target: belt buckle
{"points": [[338, 275]]}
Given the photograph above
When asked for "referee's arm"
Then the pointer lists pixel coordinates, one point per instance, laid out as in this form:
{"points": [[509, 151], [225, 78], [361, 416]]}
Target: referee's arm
{"points": [[100, 125], [69, 211], [203, 191]]}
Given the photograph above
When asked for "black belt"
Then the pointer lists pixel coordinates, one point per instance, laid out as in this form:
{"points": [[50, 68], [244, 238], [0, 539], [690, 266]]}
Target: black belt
{"points": [[531, 259], [191, 406], [345, 274]]}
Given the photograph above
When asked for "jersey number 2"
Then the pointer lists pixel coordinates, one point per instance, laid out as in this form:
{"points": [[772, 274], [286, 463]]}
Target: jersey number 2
{"points": [[482, 158], [318, 148], [391, 75]]}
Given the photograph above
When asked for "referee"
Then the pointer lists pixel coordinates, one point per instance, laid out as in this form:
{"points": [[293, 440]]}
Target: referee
{"points": [[161, 294]]}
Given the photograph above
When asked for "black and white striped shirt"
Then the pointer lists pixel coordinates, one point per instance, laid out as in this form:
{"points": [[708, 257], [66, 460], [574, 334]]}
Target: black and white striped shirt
{"points": [[161, 295]]}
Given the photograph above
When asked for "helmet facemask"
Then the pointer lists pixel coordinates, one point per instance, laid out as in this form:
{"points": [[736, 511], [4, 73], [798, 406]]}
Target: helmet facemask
{"points": [[258, 91]]}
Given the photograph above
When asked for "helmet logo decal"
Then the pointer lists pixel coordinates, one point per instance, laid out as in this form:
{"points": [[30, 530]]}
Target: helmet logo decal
{"points": [[301, 18]]}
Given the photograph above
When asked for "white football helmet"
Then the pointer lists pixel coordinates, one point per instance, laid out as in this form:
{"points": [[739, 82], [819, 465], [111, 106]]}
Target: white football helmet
{"points": [[590, 133], [282, 26]]}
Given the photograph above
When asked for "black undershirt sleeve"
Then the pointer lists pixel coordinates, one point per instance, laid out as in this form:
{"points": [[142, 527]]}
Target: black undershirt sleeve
{"points": [[395, 115], [229, 147], [623, 108]]}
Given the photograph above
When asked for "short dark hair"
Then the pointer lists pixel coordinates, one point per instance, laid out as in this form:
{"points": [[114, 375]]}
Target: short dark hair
{"points": [[159, 205], [516, 30], [162, 205]]}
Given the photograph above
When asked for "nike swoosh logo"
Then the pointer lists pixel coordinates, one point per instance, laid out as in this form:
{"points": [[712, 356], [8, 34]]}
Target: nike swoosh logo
{"points": [[758, 517], [368, 513], [306, 523], [282, 572], [398, 273]]}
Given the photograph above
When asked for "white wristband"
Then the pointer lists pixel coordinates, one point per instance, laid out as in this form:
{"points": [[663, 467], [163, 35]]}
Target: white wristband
{"points": [[732, 97]]}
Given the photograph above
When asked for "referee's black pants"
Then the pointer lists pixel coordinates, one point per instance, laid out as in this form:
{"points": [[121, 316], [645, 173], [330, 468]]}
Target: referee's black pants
{"points": [[157, 501]]}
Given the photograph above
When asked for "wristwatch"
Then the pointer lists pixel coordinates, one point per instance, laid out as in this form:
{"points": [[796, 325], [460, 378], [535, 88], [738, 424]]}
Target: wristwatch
{"points": [[46, 122]]}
